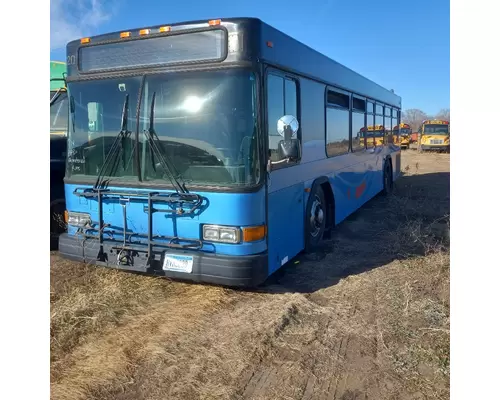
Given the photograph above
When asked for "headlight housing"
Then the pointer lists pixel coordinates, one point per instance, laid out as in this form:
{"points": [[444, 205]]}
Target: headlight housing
{"points": [[223, 234], [78, 219]]}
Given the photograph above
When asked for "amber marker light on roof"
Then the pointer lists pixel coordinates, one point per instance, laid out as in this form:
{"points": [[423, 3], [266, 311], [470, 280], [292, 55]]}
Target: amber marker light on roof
{"points": [[125, 35], [165, 29], [85, 40], [144, 31], [214, 22]]}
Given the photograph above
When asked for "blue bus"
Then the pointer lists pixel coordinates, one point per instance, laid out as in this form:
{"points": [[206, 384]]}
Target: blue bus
{"points": [[215, 151]]}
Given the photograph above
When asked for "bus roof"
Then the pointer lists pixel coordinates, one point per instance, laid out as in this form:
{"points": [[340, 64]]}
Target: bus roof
{"points": [[57, 71], [258, 42], [436, 122]]}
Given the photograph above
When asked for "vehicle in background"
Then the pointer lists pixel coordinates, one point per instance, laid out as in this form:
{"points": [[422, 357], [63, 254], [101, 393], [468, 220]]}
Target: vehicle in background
{"points": [[375, 135], [434, 135], [58, 138], [402, 131], [215, 151]]}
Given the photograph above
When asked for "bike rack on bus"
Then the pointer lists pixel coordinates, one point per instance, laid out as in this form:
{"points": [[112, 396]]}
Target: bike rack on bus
{"points": [[194, 201]]}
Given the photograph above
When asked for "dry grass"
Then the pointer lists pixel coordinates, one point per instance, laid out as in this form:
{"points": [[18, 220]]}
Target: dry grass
{"points": [[104, 327], [85, 299], [368, 319]]}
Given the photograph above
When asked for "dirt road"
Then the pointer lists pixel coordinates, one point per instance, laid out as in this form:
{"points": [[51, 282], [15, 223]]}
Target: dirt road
{"points": [[366, 318]]}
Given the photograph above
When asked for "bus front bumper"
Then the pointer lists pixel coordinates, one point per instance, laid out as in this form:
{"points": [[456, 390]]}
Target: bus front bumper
{"points": [[435, 147], [238, 271]]}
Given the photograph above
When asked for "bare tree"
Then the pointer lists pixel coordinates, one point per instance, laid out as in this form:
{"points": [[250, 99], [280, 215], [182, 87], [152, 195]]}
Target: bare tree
{"points": [[414, 117], [443, 114]]}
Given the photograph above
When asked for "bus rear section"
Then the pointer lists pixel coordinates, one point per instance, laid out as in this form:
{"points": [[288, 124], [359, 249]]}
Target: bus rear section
{"points": [[58, 130], [434, 135], [193, 153]]}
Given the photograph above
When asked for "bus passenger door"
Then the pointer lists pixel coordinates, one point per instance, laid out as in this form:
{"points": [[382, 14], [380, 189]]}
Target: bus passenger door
{"points": [[285, 208]]}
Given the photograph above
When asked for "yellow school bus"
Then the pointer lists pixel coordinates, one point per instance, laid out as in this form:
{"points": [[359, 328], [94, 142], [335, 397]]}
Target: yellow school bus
{"points": [[401, 134], [434, 134], [375, 133]]}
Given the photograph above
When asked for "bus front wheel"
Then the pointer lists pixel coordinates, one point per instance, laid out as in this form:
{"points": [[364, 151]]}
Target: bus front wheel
{"points": [[316, 214]]}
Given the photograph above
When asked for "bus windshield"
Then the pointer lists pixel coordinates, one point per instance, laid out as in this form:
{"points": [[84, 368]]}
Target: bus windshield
{"points": [[205, 122], [436, 129], [59, 113], [378, 133], [405, 131]]}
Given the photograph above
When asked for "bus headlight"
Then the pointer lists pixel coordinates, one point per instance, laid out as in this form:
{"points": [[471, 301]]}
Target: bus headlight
{"points": [[224, 234], [78, 219]]}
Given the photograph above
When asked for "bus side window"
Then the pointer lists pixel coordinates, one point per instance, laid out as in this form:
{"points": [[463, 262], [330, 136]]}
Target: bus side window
{"points": [[281, 100]]}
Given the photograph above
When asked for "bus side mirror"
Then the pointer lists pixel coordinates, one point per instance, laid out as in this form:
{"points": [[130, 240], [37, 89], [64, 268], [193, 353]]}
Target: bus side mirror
{"points": [[289, 147]]}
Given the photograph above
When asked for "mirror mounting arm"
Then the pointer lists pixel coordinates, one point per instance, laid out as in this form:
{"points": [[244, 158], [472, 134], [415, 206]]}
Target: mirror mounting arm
{"points": [[284, 161]]}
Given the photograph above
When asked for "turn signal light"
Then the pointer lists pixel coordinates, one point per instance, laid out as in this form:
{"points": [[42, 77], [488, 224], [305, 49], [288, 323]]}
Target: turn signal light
{"points": [[254, 233]]}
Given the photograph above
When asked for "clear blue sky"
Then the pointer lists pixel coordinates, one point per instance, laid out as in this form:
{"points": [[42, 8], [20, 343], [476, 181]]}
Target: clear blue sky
{"points": [[401, 44]]}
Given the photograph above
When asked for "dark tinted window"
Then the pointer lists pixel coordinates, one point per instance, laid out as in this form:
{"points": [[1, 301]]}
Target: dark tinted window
{"points": [[358, 104], [337, 99]]}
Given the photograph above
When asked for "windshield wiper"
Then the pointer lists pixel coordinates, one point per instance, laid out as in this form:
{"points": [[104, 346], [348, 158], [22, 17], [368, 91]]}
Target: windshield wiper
{"points": [[174, 177], [117, 144]]}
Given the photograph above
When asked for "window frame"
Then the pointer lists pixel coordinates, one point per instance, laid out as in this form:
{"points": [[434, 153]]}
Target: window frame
{"points": [[357, 111], [327, 106], [350, 123], [372, 102], [285, 76]]}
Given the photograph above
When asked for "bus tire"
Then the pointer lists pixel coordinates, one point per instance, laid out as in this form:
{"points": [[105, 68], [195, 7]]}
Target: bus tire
{"points": [[387, 178], [315, 219]]}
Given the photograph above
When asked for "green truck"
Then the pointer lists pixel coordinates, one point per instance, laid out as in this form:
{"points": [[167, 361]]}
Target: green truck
{"points": [[58, 145]]}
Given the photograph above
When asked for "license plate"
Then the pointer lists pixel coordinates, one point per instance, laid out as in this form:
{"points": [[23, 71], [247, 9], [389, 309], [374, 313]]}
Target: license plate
{"points": [[178, 263], [436, 142]]}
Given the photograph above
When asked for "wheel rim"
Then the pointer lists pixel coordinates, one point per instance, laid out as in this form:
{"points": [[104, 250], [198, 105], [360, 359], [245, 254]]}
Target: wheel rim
{"points": [[316, 217]]}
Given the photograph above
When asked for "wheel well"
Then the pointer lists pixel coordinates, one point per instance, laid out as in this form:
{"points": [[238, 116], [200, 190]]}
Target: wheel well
{"points": [[327, 190], [389, 160]]}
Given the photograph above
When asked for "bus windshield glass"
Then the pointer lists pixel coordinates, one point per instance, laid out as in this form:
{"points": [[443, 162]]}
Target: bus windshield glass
{"points": [[204, 123], [59, 113], [436, 129], [405, 131]]}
